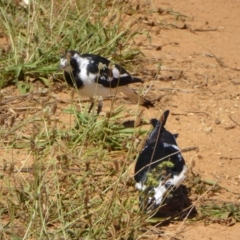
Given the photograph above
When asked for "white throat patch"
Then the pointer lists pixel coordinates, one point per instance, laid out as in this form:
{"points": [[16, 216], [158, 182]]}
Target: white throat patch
{"points": [[64, 65]]}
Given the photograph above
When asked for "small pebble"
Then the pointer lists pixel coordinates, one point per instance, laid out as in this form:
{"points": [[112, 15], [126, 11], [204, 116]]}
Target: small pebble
{"points": [[230, 127], [208, 129], [217, 121]]}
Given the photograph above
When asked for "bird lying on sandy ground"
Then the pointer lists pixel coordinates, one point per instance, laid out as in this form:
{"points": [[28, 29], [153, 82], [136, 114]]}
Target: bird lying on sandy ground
{"points": [[160, 166], [95, 76]]}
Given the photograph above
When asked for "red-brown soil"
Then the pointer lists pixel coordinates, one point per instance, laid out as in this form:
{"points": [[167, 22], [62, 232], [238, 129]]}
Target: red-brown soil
{"points": [[204, 102]]}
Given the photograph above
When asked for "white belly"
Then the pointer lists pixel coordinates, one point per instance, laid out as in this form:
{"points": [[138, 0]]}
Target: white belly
{"points": [[92, 89]]}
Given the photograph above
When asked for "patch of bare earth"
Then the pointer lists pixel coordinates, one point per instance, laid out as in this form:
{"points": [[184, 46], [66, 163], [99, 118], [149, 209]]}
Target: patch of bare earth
{"points": [[193, 63], [204, 102]]}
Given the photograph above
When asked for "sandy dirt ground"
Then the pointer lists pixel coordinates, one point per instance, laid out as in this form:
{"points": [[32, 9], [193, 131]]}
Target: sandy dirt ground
{"points": [[205, 106], [193, 63]]}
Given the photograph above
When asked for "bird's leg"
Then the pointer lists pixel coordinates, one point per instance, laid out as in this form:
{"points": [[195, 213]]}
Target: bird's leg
{"points": [[92, 104], [100, 104]]}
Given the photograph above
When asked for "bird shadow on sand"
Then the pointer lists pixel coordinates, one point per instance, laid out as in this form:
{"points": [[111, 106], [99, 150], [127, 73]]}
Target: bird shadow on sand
{"points": [[177, 206], [133, 123]]}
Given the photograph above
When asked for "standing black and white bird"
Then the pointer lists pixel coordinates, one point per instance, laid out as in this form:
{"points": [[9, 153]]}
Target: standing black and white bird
{"points": [[160, 148], [95, 76]]}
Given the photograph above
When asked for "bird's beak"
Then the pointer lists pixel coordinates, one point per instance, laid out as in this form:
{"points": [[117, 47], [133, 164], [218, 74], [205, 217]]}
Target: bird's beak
{"points": [[60, 67], [63, 64]]}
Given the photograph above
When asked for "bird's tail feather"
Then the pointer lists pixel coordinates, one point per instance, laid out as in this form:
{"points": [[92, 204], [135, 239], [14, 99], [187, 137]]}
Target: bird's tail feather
{"points": [[134, 96], [137, 80]]}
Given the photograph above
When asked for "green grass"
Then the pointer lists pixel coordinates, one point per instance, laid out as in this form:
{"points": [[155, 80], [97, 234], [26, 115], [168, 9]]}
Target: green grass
{"points": [[77, 185], [226, 213], [61, 180], [69, 178], [39, 33]]}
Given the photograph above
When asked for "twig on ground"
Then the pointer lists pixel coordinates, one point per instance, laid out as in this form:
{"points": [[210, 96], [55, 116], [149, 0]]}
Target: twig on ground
{"points": [[176, 113], [223, 157], [10, 99], [176, 89], [230, 127], [186, 26], [201, 112], [214, 183], [205, 30], [219, 61], [186, 149], [234, 120], [189, 112]]}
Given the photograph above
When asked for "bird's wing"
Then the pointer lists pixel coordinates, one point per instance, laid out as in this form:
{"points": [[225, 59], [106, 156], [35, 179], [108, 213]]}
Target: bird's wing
{"points": [[142, 164], [107, 74], [152, 156], [73, 79], [160, 146]]}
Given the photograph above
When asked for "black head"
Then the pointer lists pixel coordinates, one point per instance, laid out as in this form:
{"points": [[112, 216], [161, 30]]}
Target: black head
{"points": [[160, 146], [70, 61]]}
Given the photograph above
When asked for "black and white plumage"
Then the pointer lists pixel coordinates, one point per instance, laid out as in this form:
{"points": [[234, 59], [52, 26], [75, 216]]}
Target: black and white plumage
{"points": [[160, 147], [95, 76]]}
